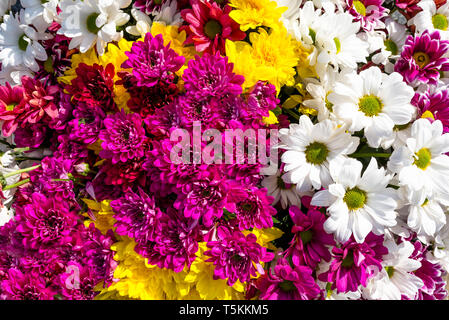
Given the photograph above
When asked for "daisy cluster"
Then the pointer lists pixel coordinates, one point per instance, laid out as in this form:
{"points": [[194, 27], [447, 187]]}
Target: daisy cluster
{"points": [[94, 207]]}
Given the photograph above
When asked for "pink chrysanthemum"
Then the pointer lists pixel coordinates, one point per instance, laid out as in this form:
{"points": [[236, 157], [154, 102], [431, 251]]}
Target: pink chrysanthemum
{"points": [[235, 256], [26, 286], [368, 12], [423, 58], [152, 62], [434, 106], [209, 26]]}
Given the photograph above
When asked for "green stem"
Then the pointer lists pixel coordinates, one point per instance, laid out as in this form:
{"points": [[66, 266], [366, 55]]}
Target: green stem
{"points": [[370, 154], [17, 184], [293, 114], [21, 171]]}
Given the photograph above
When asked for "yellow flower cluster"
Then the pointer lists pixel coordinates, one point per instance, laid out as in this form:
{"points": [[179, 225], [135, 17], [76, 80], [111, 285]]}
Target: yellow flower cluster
{"points": [[251, 14]]}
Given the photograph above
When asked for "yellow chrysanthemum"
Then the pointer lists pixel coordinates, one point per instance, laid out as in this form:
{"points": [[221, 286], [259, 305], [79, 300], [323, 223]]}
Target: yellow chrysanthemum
{"points": [[103, 215], [271, 119], [171, 35], [271, 57], [251, 14], [115, 54], [266, 236]]}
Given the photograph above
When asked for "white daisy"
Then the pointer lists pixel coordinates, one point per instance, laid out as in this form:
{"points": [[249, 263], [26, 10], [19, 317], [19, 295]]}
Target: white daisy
{"points": [[142, 26], [92, 22], [421, 164], [373, 101], [280, 191], [396, 278], [40, 13], [440, 253], [19, 43], [432, 19], [6, 214], [357, 204], [320, 89], [14, 75], [392, 45], [168, 14], [310, 150], [5, 6], [290, 16]]}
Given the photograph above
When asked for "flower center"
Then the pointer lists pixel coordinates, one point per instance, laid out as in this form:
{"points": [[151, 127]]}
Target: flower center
{"points": [[425, 203], [329, 105], [11, 106], [348, 261], [92, 24], [312, 34], [355, 198], [316, 153], [23, 44], [212, 28], [421, 59], [390, 271], [281, 183], [287, 286], [48, 65], [337, 44], [391, 46], [370, 105], [306, 236], [359, 7], [428, 115], [439, 21], [423, 158]]}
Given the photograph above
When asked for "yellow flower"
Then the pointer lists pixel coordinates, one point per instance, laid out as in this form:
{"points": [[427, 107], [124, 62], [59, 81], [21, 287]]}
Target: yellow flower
{"points": [[251, 14], [271, 57], [102, 215], [266, 236], [271, 119]]}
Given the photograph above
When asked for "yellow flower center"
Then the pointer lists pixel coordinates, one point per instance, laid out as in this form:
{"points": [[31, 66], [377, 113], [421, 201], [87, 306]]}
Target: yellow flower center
{"points": [[359, 7], [422, 158], [370, 105], [421, 58], [439, 21], [337, 44], [316, 153], [355, 198], [428, 115], [390, 271], [391, 46], [212, 28], [329, 105], [91, 23], [23, 44]]}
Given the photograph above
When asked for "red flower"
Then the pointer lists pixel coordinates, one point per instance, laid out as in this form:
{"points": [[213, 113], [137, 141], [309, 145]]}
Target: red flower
{"points": [[210, 26]]}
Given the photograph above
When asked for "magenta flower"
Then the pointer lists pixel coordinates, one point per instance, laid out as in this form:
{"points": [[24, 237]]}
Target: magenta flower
{"points": [[211, 75], [251, 206], [136, 215], [25, 286], [123, 137], [10, 98], [368, 12], [352, 263], [45, 222], [310, 243], [422, 58], [152, 62], [235, 256], [433, 105], [87, 123], [288, 283]]}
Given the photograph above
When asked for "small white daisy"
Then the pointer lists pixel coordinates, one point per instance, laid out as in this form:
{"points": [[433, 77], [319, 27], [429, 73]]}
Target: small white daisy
{"points": [[142, 26], [432, 19], [40, 13], [92, 22], [168, 14], [357, 204], [421, 164], [310, 149], [373, 101], [19, 43], [281, 191], [396, 278]]}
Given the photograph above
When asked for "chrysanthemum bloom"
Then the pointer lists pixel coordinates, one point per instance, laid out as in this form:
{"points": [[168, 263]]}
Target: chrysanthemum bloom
{"points": [[152, 62], [433, 17], [235, 256], [148, 6], [87, 123], [251, 14], [251, 206], [368, 12], [136, 215], [423, 58], [45, 222], [260, 100], [288, 283], [25, 286], [351, 263], [175, 242], [434, 105], [32, 135], [212, 75], [310, 243], [10, 97], [123, 137], [94, 85], [59, 58], [82, 288], [209, 26], [409, 7], [125, 174]]}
